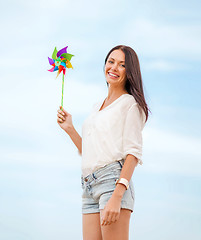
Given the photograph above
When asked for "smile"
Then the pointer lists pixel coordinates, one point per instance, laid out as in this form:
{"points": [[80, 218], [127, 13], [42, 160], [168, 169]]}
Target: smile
{"points": [[113, 75]]}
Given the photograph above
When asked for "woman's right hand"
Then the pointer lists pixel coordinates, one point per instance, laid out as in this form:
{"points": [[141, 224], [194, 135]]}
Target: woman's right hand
{"points": [[64, 119]]}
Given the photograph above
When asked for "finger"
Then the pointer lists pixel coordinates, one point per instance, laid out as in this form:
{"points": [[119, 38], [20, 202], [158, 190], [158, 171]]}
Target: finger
{"points": [[61, 116], [65, 112], [107, 223], [113, 218], [117, 216], [60, 120], [106, 218], [61, 112], [103, 221], [110, 215], [103, 217]]}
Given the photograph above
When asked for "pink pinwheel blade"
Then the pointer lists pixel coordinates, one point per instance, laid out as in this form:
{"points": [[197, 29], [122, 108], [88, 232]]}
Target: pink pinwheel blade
{"points": [[63, 50], [51, 70], [51, 61]]}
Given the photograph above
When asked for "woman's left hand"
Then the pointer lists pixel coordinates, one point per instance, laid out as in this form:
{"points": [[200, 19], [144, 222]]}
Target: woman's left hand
{"points": [[111, 211]]}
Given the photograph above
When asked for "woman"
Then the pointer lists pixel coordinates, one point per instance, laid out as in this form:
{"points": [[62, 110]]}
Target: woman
{"points": [[111, 148]]}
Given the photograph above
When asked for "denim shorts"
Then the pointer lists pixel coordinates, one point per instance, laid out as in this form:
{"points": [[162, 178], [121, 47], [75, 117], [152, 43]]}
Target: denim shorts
{"points": [[99, 186]]}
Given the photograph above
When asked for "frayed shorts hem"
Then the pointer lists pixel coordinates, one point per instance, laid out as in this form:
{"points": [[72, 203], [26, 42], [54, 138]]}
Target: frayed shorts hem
{"points": [[124, 205]]}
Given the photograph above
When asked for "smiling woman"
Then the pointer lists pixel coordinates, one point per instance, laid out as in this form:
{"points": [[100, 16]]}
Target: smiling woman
{"points": [[111, 148], [128, 63], [115, 68]]}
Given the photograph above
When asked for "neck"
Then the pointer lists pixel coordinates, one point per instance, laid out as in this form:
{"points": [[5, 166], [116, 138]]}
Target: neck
{"points": [[115, 92]]}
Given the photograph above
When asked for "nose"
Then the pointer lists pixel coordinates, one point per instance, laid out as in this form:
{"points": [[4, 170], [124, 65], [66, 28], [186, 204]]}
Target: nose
{"points": [[114, 67]]}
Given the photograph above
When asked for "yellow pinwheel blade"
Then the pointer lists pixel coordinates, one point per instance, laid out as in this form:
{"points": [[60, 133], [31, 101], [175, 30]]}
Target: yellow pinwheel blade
{"points": [[57, 74], [68, 64]]}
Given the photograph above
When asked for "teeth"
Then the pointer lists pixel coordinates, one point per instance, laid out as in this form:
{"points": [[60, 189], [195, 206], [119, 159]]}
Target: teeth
{"points": [[113, 75]]}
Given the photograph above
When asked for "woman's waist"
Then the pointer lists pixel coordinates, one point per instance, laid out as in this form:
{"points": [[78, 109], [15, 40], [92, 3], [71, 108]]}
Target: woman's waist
{"points": [[98, 169]]}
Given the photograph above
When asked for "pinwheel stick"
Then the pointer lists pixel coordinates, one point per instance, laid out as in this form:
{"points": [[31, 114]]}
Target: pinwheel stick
{"points": [[62, 93], [60, 61]]}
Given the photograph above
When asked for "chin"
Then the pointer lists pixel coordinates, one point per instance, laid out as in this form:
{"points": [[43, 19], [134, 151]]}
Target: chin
{"points": [[110, 81]]}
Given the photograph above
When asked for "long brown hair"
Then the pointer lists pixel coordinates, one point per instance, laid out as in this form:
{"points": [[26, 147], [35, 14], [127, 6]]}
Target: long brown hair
{"points": [[133, 85]]}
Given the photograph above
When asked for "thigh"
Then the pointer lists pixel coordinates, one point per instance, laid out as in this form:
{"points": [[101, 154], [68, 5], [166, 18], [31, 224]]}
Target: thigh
{"points": [[118, 230], [91, 226]]}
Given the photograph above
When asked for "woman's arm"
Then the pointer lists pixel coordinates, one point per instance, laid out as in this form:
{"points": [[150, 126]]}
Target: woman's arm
{"points": [[111, 211], [65, 122], [126, 172], [75, 137]]}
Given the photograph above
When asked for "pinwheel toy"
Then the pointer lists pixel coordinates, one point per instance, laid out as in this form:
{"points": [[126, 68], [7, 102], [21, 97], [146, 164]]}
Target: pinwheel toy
{"points": [[60, 61]]}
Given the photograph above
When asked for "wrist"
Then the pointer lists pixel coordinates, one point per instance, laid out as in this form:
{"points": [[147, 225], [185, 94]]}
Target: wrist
{"points": [[69, 130], [119, 191]]}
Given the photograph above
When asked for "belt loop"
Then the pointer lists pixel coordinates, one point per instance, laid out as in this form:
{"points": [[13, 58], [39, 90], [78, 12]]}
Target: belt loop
{"points": [[94, 176], [120, 163]]}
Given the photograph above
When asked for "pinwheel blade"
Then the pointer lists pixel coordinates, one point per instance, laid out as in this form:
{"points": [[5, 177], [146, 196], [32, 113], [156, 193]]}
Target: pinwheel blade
{"points": [[54, 54], [60, 68], [51, 70], [63, 64], [51, 61], [68, 64], [64, 71], [60, 61], [68, 56], [60, 52], [57, 74]]}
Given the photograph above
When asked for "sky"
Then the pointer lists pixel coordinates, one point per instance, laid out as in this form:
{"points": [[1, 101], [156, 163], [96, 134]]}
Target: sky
{"points": [[40, 169]]}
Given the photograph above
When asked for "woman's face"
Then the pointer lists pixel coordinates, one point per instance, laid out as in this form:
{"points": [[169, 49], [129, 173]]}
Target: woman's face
{"points": [[115, 72]]}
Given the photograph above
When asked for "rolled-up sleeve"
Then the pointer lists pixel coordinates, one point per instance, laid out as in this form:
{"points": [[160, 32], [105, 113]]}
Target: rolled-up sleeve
{"points": [[132, 133]]}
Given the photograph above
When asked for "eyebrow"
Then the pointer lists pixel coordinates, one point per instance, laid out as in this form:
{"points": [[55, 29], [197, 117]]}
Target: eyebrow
{"points": [[114, 59]]}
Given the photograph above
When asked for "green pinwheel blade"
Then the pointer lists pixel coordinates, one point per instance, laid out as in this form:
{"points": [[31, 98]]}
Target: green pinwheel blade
{"points": [[54, 54], [68, 56]]}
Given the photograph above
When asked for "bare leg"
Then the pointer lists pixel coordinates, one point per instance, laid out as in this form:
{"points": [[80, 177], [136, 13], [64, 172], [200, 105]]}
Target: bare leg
{"points": [[91, 226], [118, 230]]}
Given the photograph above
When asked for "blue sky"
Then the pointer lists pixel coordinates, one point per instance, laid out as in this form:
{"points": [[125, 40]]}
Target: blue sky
{"points": [[38, 161]]}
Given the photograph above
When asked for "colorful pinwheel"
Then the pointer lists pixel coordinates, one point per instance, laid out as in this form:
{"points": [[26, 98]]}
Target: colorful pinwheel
{"points": [[60, 61]]}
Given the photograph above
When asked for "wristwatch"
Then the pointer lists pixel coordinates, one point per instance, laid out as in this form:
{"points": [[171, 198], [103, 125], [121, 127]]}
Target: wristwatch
{"points": [[123, 181]]}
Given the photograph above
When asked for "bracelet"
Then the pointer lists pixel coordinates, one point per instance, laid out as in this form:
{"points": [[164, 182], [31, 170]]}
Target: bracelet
{"points": [[123, 181]]}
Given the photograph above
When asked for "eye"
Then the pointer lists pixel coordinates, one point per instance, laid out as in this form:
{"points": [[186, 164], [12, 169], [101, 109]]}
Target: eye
{"points": [[110, 61], [123, 65]]}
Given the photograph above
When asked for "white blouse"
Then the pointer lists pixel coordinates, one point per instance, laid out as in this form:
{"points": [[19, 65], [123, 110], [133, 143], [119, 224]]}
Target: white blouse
{"points": [[112, 133]]}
